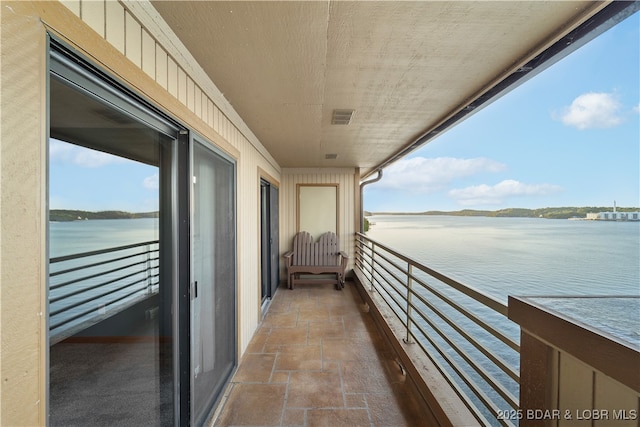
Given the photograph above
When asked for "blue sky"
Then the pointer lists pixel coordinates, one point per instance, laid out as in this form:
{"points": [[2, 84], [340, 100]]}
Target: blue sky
{"points": [[568, 137], [90, 180]]}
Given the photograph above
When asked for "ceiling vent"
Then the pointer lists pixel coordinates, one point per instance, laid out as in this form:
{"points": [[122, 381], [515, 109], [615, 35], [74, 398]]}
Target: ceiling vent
{"points": [[341, 117], [331, 156]]}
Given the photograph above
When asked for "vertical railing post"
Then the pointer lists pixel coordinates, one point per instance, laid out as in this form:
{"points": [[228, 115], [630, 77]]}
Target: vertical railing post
{"points": [[373, 252], [149, 284], [408, 339]]}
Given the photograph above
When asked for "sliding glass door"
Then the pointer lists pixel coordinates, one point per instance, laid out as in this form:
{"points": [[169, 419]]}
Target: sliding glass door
{"points": [[113, 268], [213, 287], [142, 258]]}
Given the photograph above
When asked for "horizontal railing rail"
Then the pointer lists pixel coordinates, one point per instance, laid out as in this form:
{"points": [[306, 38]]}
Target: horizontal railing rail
{"points": [[88, 287], [464, 332]]}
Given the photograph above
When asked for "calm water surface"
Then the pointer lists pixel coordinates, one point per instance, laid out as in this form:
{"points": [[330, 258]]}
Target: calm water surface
{"points": [[525, 257], [74, 237], [498, 256], [521, 256]]}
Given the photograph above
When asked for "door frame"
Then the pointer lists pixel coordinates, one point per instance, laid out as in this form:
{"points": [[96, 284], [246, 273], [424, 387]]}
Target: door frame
{"points": [[272, 270], [68, 64], [193, 139]]}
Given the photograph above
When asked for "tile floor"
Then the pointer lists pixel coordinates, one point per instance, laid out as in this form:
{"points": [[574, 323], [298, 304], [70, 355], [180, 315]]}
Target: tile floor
{"points": [[319, 360]]}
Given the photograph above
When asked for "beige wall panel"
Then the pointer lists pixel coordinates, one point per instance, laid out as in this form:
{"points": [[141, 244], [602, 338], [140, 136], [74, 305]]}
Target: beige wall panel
{"points": [[133, 41], [575, 390], [217, 114], [162, 67], [23, 179], [198, 102], [172, 77], [114, 25], [210, 112], [237, 137], [249, 168], [248, 285], [553, 378], [148, 55], [233, 135], [620, 403], [93, 13], [345, 178], [228, 129], [182, 87], [204, 107], [72, 5], [223, 127], [22, 220], [191, 95], [317, 211]]}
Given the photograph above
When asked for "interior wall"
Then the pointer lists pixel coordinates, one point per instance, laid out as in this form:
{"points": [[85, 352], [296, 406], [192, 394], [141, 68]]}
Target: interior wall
{"points": [[131, 42]]}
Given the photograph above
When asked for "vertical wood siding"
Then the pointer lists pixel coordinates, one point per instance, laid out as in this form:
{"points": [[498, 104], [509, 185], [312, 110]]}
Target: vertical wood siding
{"points": [[346, 180], [590, 397], [137, 32], [129, 39]]}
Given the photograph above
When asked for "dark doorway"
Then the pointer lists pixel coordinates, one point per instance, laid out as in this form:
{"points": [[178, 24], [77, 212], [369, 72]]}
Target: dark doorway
{"points": [[269, 242]]}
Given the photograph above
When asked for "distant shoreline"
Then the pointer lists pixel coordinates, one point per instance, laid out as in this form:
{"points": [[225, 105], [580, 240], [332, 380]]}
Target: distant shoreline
{"points": [[67, 215], [549, 213]]}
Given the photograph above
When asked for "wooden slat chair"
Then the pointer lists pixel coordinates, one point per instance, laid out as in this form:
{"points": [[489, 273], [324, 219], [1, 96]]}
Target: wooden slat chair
{"points": [[321, 257]]}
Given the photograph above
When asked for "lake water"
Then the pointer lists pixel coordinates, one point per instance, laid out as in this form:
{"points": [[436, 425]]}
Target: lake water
{"points": [[85, 290], [501, 256], [498, 256], [521, 256], [66, 238]]}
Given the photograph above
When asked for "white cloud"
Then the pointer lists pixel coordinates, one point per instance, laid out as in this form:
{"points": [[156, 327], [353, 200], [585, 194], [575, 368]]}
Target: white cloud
{"points": [[59, 150], [426, 175], [94, 159], [81, 156], [494, 195], [593, 110], [151, 182]]}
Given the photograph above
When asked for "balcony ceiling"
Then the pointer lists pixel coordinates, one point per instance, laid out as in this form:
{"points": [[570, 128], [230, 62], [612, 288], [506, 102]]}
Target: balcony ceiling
{"points": [[404, 67]]}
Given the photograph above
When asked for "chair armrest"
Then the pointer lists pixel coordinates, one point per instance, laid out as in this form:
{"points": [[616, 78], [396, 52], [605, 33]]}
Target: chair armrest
{"points": [[343, 260], [288, 258]]}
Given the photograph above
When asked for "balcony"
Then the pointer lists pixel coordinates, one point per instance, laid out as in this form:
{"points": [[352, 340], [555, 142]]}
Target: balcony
{"points": [[319, 359], [400, 345]]}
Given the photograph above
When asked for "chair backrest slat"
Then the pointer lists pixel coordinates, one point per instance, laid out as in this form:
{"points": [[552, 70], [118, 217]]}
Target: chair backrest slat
{"points": [[322, 252]]}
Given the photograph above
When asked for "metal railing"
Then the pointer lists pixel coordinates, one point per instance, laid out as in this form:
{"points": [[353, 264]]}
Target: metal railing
{"points": [[89, 287], [464, 332]]}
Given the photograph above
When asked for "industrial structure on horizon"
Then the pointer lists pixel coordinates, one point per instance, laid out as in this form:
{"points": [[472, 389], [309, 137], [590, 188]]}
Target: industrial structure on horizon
{"points": [[614, 216]]}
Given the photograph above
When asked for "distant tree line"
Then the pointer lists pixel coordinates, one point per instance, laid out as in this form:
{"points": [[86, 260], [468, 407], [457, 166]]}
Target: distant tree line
{"points": [[551, 213], [75, 215]]}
